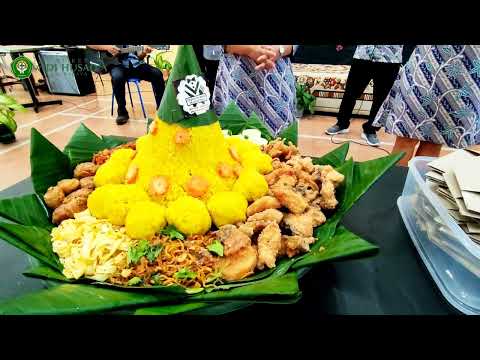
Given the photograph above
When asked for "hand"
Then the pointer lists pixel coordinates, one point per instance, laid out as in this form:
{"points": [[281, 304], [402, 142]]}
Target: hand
{"points": [[261, 55], [112, 49], [147, 49]]}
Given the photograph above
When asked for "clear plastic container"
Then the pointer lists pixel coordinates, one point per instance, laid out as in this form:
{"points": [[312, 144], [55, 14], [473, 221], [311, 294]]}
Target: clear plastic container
{"points": [[450, 256]]}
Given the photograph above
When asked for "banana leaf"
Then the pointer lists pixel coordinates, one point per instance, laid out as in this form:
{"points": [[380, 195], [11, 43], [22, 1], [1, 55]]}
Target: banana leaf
{"points": [[48, 164], [43, 271], [290, 133], [78, 298], [112, 141], [254, 122], [26, 210], [334, 158], [82, 145], [232, 119], [36, 238]]}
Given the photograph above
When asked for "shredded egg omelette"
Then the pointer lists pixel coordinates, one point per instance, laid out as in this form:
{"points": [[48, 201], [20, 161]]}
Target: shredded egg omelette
{"points": [[90, 247]]}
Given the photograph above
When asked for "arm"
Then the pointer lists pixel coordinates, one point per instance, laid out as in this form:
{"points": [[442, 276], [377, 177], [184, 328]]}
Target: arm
{"points": [[112, 49], [146, 50]]}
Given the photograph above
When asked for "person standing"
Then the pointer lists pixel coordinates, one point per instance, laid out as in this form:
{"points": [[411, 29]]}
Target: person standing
{"points": [[260, 80], [379, 63], [131, 65], [435, 101]]}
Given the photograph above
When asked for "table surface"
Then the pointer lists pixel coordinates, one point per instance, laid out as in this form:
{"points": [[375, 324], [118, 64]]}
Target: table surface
{"points": [[393, 282]]}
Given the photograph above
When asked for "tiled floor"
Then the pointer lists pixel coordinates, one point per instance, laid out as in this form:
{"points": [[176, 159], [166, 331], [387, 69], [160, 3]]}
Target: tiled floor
{"points": [[58, 122]]}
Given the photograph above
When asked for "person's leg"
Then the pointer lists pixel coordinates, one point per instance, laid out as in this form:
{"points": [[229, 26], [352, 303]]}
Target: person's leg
{"points": [[428, 149], [119, 78], [154, 76], [406, 145], [211, 68], [384, 75], [358, 79]]}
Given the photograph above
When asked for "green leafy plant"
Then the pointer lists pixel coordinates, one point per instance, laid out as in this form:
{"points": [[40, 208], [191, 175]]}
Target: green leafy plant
{"points": [[163, 65], [8, 125], [27, 226], [305, 100]]}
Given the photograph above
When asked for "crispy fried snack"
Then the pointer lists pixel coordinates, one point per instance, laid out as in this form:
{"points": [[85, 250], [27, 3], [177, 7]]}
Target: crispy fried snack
{"points": [[269, 244], [264, 203], [278, 149], [68, 185], [85, 170], [54, 197], [87, 182], [293, 245], [301, 225], [239, 265], [68, 209], [82, 192], [269, 215], [292, 200], [232, 239]]}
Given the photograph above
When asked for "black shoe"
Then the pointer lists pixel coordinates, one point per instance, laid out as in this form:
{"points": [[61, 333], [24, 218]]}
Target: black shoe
{"points": [[122, 118]]}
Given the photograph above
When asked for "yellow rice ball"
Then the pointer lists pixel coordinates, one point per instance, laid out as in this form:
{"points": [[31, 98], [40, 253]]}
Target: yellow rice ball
{"points": [[251, 184], [144, 220], [115, 168], [189, 215], [227, 207], [258, 160], [113, 201]]}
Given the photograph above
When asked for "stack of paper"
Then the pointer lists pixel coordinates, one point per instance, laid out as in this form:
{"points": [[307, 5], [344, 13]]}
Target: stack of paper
{"points": [[456, 179]]}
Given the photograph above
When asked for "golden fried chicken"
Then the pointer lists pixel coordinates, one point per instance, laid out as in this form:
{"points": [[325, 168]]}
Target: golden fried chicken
{"points": [[292, 200], [84, 170], [238, 265], [274, 176], [301, 224], [252, 227], [278, 149], [329, 174], [68, 185], [327, 196], [232, 239], [54, 197], [300, 163], [269, 215], [293, 245], [264, 203], [269, 243], [307, 187], [318, 218]]}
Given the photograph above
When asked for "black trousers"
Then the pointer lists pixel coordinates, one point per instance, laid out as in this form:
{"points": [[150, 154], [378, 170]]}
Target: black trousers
{"points": [[208, 67], [121, 74], [361, 72]]}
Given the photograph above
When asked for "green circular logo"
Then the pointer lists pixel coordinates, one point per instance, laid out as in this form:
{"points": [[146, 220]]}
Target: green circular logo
{"points": [[22, 67]]}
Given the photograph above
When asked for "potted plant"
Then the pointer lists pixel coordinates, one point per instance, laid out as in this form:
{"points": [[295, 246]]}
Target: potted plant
{"points": [[8, 126], [305, 100], [163, 65]]}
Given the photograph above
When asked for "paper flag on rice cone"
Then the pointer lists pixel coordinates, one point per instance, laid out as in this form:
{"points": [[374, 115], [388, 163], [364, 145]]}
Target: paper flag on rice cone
{"points": [[186, 100]]}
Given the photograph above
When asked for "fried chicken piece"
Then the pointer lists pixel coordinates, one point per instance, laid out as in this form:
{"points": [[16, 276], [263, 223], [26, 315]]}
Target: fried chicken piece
{"points": [[301, 225], [318, 218], [67, 210], [290, 199], [232, 239], [264, 203], [278, 149], [80, 193], [327, 173], [274, 176], [277, 163], [85, 170], [68, 185], [252, 227], [327, 196], [293, 245], [269, 243], [54, 197], [269, 215], [238, 265], [87, 182], [300, 163], [307, 187]]}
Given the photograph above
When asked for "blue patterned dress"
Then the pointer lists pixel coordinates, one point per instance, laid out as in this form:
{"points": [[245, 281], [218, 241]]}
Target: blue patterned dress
{"points": [[270, 94], [436, 97]]}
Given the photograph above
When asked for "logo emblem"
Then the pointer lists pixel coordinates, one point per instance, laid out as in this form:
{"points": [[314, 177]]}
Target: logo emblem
{"points": [[193, 95], [22, 67]]}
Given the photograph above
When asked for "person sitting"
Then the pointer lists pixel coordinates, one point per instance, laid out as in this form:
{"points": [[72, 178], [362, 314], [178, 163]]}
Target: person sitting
{"points": [[131, 65]]}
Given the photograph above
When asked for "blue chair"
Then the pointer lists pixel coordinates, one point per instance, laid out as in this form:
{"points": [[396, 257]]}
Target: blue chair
{"points": [[137, 83]]}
